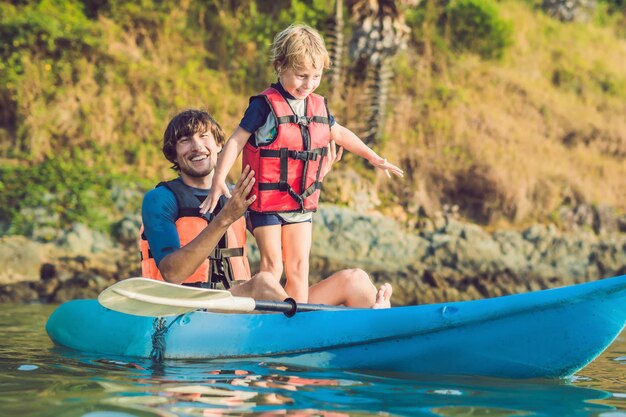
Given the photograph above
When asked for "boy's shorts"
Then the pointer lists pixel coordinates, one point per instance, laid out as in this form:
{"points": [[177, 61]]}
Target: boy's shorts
{"points": [[255, 219]]}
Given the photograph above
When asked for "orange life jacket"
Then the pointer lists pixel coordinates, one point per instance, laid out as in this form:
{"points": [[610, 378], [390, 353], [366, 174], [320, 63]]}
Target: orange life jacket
{"points": [[288, 170], [227, 262]]}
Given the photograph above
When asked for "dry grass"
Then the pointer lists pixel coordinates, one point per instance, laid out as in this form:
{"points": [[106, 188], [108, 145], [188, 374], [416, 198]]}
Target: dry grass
{"points": [[506, 141]]}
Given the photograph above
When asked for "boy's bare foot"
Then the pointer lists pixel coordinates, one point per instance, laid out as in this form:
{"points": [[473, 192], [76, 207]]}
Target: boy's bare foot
{"points": [[383, 297]]}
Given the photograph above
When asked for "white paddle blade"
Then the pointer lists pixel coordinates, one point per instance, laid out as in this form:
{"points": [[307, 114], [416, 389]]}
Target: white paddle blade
{"points": [[121, 304], [151, 298]]}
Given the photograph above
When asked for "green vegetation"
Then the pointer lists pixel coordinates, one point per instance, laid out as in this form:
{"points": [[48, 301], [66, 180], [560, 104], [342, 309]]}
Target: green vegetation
{"points": [[59, 192], [497, 107], [475, 26]]}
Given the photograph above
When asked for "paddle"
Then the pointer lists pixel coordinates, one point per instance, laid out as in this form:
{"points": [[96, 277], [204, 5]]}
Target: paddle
{"points": [[151, 298]]}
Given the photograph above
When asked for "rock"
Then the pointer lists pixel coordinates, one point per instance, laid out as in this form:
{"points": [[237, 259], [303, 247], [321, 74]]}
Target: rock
{"points": [[46, 289], [570, 10], [82, 240], [515, 251], [21, 259], [536, 233], [576, 218], [453, 261], [20, 292], [347, 238], [605, 220], [46, 234], [82, 286], [348, 188], [47, 272], [126, 230]]}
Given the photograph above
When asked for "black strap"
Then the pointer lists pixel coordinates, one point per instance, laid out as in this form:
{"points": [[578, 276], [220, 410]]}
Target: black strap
{"points": [[221, 253], [317, 185], [284, 167], [311, 155], [276, 186], [283, 185], [149, 254], [189, 212], [302, 120]]}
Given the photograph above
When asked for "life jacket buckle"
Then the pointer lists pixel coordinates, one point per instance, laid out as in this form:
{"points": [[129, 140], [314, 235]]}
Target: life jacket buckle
{"points": [[303, 121], [303, 155]]}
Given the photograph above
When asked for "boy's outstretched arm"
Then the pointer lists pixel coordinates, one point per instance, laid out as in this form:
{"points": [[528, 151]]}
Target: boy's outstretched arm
{"points": [[233, 147], [346, 138]]}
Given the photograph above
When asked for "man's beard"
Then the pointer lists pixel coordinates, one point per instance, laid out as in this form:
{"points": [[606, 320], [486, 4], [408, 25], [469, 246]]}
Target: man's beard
{"points": [[196, 174]]}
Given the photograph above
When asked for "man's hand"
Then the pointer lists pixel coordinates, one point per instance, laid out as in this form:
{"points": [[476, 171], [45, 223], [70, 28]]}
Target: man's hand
{"points": [[181, 263], [239, 201], [332, 156]]}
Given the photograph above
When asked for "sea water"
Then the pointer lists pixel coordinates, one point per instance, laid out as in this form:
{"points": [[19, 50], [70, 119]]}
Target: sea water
{"points": [[38, 379]]}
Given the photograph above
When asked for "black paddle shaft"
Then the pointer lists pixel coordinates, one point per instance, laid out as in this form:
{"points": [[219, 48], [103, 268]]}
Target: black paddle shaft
{"points": [[289, 307]]}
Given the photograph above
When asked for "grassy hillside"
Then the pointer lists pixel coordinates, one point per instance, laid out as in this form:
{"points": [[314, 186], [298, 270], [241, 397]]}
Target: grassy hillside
{"points": [[512, 140], [86, 89]]}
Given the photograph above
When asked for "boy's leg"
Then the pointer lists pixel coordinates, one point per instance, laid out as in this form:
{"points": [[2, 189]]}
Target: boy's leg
{"points": [[268, 239], [296, 248], [352, 288]]}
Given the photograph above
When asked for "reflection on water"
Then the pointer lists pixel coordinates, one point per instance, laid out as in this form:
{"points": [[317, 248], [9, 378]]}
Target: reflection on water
{"points": [[37, 379]]}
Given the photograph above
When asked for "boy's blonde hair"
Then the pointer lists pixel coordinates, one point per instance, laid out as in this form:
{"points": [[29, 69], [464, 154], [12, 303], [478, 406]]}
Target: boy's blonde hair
{"points": [[297, 47]]}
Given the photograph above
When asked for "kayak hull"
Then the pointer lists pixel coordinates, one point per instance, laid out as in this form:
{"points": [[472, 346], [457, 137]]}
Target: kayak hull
{"points": [[550, 333]]}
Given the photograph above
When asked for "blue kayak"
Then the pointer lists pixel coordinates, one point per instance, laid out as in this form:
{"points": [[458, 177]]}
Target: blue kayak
{"points": [[549, 333]]}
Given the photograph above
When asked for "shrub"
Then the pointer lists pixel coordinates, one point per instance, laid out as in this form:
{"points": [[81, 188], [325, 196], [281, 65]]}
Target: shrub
{"points": [[476, 26], [56, 193]]}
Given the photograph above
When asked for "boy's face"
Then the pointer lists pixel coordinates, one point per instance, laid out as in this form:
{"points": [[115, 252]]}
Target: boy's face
{"points": [[197, 155], [302, 81]]}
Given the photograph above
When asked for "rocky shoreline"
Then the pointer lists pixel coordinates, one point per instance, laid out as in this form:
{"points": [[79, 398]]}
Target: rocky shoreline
{"points": [[447, 261]]}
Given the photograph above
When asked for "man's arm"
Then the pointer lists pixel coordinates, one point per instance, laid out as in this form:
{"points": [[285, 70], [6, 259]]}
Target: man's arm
{"points": [[180, 264]]}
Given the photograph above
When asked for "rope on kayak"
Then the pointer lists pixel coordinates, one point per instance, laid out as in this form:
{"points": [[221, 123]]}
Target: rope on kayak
{"points": [[158, 337]]}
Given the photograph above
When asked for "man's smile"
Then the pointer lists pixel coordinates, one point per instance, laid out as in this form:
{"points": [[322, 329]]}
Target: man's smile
{"points": [[198, 158]]}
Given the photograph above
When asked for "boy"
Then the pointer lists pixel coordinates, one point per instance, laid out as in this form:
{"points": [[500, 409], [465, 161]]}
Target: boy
{"points": [[284, 136]]}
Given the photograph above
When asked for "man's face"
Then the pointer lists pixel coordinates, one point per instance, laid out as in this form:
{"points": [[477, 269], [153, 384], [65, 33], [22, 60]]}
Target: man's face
{"points": [[197, 155]]}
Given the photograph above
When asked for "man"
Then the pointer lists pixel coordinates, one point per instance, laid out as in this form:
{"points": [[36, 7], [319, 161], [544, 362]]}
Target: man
{"points": [[182, 246]]}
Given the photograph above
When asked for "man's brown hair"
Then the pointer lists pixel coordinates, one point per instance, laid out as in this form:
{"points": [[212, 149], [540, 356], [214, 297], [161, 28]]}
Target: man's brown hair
{"points": [[188, 123]]}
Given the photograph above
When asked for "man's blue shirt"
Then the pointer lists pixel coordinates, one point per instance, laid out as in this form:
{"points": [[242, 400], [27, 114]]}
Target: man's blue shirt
{"points": [[159, 213]]}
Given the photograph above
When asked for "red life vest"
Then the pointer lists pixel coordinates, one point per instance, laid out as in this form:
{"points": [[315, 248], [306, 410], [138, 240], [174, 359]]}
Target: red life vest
{"points": [[288, 170], [227, 262]]}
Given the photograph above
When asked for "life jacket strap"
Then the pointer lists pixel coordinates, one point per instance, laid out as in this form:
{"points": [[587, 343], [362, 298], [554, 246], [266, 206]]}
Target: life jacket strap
{"points": [[283, 185], [279, 186], [302, 120], [311, 155], [317, 185], [149, 254], [221, 253], [207, 285]]}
